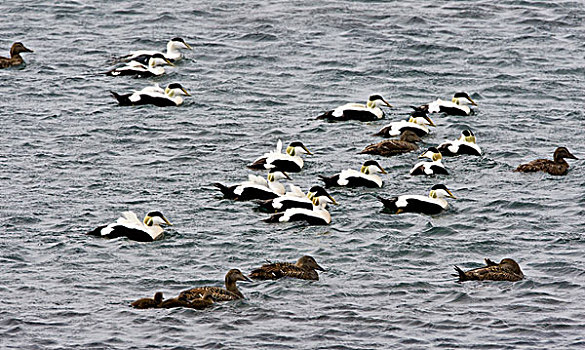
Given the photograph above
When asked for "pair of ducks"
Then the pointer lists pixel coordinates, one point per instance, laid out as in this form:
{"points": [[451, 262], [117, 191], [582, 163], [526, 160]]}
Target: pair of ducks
{"points": [[15, 59], [200, 297]]}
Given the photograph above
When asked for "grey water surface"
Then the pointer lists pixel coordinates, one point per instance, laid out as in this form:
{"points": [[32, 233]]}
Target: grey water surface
{"points": [[71, 159]]}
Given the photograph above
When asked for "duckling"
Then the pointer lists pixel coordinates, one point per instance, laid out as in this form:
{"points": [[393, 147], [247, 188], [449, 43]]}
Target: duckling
{"points": [[304, 269], [231, 291], [256, 187], [435, 167], [416, 123], [15, 59], [506, 270], [366, 177], [457, 105], [431, 205], [148, 303], [289, 162], [129, 226], [557, 166], [356, 111], [388, 148], [464, 145]]}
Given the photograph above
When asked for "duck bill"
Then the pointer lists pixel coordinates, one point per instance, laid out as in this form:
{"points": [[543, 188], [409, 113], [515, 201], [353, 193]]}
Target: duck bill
{"points": [[185, 92], [169, 62], [245, 278], [451, 195], [307, 150], [333, 201], [26, 49], [188, 46], [570, 155], [382, 170], [387, 104], [429, 120], [167, 221], [286, 175], [318, 267], [424, 155], [472, 101]]}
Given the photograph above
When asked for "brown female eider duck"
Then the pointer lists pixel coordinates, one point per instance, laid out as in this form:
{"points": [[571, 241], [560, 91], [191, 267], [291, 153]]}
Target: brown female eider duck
{"points": [[231, 291], [15, 59], [304, 269], [388, 148], [148, 303], [198, 304], [506, 270], [356, 111], [129, 226], [557, 166]]}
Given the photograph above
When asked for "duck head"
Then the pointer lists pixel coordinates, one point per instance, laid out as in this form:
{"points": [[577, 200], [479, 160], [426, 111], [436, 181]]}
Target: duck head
{"points": [[421, 118], [17, 48], [158, 297], [178, 43], [462, 98], [372, 167], [409, 136], [309, 261], [321, 194], [275, 175], [156, 218], [441, 191], [176, 89], [563, 152], [377, 100], [511, 265], [432, 153], [234, 275], [467, 136], [158, 59], [296, 148]]}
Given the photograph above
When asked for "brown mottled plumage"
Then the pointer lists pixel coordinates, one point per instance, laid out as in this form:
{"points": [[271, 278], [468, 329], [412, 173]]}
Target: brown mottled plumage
{"points": [[557, 166], [387, 148], [15, 58], [199, 304], [147, 303], [231, 292], [506, 270], [304, 269]]}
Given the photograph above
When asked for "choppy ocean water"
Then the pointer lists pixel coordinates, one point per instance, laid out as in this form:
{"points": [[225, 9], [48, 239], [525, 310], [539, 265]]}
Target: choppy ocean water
{"points": [[71, 159]]}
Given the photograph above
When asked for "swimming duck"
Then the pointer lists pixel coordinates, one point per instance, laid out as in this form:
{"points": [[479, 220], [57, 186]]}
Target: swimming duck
{"points": [[303, 269], [506, 270], [435, 167], [140, 70], [417, 123], [366, 177], [148, 303], [15, 59], [557, 166], [388, 148], [318, 215], [256, 187], [457, 105], [464, 145], [297, 199], [154, 95], [173, 54], [231, 291], [433, 204], [288, 162], [356, 111], [198, 303], [129, 226]]}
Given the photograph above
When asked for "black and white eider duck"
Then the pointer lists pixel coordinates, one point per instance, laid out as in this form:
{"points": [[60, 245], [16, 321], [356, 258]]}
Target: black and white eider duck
{"points": [[416, 123], [457, 106], [366, 177], [557, 166], [130, 226], [256, 187], [371, 111], [153, 95], [434, 167], [148, 303], [506, 270], [15, 59], [318, 215], [231, 291], [140, 70], [305, 269], [297, 199], [173, 54], [388, 148], [433, 204], [288, 162], [464, 145]]}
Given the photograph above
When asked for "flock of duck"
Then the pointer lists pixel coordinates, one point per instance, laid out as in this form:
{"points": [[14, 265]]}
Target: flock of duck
{"points": [[311, 207]]}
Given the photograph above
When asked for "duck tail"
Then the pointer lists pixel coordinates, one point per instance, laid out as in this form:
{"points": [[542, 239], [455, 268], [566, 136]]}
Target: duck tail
{"points": [[228, 192], [329, 180], [274, 218], [389, 204], [383, 132], [460, 274], [123, 100], [326, 115], [258, 164], [266, 206], [97, 231]]}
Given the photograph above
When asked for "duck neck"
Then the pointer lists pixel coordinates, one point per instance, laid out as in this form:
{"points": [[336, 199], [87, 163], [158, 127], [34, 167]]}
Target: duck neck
{"points": [[232, 287]]}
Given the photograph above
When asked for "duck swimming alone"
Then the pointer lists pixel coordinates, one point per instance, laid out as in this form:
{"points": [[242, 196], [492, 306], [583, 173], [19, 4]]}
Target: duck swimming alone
{"points": [[434, 167], [140, 70], [173, 54], [318, 215], [431, 205], [231, 291], [154, 95], [256, 187], [148, 303], [416, 123], [15, 59], [506, 270], [366, 177], [457, 106], [297, 199], [287, 162], [464, 145], [388, 148], [303, 269], [557, 166], [356, 111], [129, 226]]}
